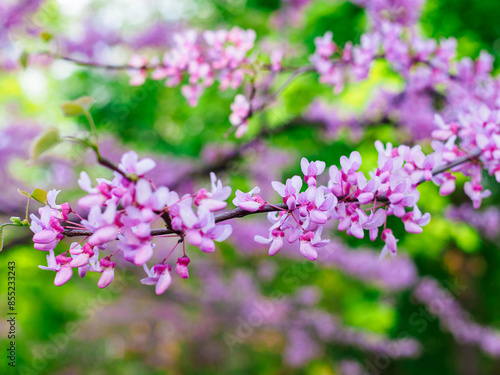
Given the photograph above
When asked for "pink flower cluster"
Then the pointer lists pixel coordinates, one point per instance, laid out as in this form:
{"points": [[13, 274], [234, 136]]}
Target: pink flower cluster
{"points": [[357, 203], [220, 55], [125, 209], [361, 204], [353, 63]]}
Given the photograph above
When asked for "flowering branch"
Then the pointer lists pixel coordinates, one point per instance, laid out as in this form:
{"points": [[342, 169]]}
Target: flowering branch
{"points": [[240, 213]]}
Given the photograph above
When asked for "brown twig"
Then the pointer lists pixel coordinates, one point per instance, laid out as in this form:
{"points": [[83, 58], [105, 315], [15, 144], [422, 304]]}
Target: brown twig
{"points": [[238, 212]]}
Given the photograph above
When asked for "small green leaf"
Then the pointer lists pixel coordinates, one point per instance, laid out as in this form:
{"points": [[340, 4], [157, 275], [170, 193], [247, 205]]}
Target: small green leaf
{"points": [[47, 140], [39, 195], [23, 59], [72, 109], [46, 36], [85, 102], [77, 107], [16, 221], [25, 193], [1, 238]]}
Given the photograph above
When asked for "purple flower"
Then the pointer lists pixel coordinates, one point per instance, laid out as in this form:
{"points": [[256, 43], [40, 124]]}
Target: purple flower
{"points": [[130, 164], [240, 111], [107, 269], [47, 229], [60, 264], [158, 275], [311, 170], [391, 246], [309, 242], [215, 199], [275, 239], [248, 202], [290, 191], [476, 193], [181, 266], [414, 221]]}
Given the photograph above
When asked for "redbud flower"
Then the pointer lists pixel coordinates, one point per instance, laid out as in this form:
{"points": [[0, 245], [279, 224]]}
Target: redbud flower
{"points": [[309, 242], [325, 47], [447, 182], [131, 165], [276, 240], [103, 224], [158, 275], [93, 262], [374, 221], [82, 258], [138, 76], [290, 191], [181, 267], [108, 272], [311, 170], [64, 270], [391, 246], [414, 221], [97, 196], [215, 199], [247, 202], [476, 193], [47, 229], [240, 111], [51, 201]]}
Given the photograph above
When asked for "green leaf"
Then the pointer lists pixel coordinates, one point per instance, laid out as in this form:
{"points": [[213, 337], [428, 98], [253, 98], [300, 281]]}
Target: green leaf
{"points": [[39, 195], [16, 221], [25, 193], [1, 238], [85, 102], [77, 107], [23, 59], [72, 109], [47, 140], [46, 36]]}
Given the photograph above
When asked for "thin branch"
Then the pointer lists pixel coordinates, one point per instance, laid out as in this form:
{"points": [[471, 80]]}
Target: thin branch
{"points": [[91, 64], [460, 160], [238, 212], [223, 216]]}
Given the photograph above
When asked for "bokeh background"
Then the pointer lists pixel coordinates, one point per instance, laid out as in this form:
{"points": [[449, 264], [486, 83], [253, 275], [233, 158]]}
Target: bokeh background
{"points": [[241, 311]]}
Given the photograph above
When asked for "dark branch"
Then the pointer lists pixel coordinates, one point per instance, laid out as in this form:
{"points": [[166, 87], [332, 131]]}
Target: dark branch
{"points": [[223, 216], [238, 212]]}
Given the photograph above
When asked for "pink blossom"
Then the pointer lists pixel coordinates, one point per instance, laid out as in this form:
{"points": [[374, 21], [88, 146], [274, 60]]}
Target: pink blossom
{"points": [[103, 225], [138, 76], [248, 202], [290, 191], [476, 193], [309, 242], [275, 239], [390, 244], [130, 164], [414, 221], [107, 269], [181, 267], [214, 200], [60, 264], [311, 170], [240, 111], [83, 257], [158, 275], [47, 229], [324, 45]]}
